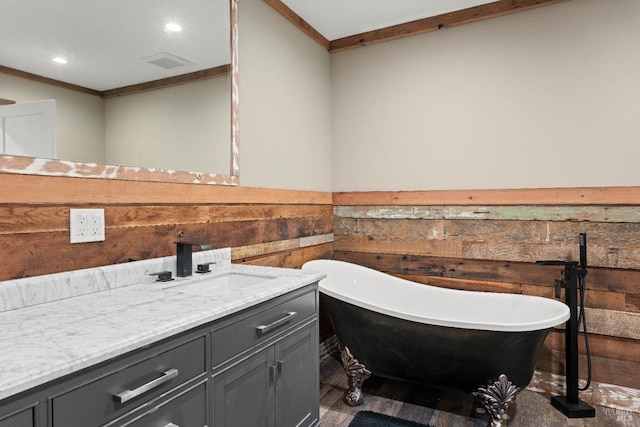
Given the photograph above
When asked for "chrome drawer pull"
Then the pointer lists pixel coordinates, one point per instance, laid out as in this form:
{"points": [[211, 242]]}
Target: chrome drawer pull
{"points": [[172, 425], [263, 329], [127, 395]]}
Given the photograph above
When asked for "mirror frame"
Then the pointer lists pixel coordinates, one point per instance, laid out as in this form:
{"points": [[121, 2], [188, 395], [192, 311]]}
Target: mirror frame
{"points": [[54, 167]]}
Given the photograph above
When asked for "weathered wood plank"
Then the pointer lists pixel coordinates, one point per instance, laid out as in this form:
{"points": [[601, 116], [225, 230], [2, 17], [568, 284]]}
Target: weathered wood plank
{"points": [[507, 197], [611, 235], [600, 233], [613, 323], [289, 259], [45, 190], [604, 370], [628, 214], [157, 215], [413, 265], [602, 346], [511, 231], [444, 248], [598, 256], [382, 228], [593, 299], [14, 220], [249, 251], [41, 219], [43, 253], [598, 279], [527, 252], [465, 284], [632, 302]]}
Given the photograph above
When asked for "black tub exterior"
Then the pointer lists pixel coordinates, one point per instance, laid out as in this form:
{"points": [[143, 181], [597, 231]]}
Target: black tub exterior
{"points": [[445, 357]]}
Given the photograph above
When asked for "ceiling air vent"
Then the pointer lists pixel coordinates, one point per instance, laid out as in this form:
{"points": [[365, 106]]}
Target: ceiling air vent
{"points": [[166, 60]]}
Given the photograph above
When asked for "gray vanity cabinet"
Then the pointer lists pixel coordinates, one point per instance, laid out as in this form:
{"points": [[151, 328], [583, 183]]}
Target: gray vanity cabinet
{"points": [[123, 387], [243, 394], [273, 380], [188, 408], [297, 382], [162, 384], [258, 367], [23, 418]]}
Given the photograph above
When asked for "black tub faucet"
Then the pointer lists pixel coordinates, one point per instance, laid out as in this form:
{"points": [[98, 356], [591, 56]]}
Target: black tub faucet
{"points": [[184, 259]]}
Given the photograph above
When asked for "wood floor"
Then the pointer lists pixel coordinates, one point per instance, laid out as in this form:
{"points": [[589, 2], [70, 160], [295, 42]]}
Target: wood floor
{"points": [[437, 408]]}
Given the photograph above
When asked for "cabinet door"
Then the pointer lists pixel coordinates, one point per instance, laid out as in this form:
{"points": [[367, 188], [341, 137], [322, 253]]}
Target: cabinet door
{"points": [[22, 419], [243, 394], [297, 387]]}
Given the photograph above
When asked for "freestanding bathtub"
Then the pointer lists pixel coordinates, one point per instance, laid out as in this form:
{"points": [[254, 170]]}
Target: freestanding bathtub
{"points": [[479, 342]]}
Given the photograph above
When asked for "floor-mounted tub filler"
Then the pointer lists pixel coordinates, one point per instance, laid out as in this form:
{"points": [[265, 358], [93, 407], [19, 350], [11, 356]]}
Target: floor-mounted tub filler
{"points": [[478, 342]]}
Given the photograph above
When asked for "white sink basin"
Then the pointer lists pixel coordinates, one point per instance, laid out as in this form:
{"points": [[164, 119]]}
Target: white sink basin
{"points": [[222, 284]]}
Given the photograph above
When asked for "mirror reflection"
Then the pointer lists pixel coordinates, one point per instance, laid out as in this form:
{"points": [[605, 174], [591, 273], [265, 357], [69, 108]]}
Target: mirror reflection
{"points": [[132, 91]]}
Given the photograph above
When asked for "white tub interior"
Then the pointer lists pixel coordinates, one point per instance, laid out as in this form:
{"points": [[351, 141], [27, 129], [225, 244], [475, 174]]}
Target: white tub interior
{"points": [[374, 290]]}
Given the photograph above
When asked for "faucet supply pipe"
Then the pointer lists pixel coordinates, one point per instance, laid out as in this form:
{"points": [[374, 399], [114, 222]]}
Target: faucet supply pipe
{"points": [[574, 282]]}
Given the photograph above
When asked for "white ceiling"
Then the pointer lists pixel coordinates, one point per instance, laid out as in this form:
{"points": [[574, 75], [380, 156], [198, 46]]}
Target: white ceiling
{"points": [[105, 40], [335, 19]]}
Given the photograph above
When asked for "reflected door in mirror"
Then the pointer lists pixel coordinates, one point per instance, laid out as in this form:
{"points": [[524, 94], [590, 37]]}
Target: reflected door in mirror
{"points": [[28, 129]]}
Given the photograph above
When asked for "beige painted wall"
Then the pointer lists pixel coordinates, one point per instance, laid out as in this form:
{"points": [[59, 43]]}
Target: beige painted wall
{"points": [[285, 103], [543, 98], [79, 116], [185, 127]]}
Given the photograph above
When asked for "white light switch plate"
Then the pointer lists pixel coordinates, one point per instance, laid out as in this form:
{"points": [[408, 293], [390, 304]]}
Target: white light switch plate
{"points": [[86, 225]]}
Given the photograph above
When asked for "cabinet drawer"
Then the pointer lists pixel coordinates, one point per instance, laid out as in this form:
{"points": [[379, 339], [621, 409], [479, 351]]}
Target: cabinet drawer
{"points": [[188, 409], [124, 387], [233, 339]]}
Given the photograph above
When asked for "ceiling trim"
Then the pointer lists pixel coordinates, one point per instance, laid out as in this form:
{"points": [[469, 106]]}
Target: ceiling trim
{"points": [[296, 20], [207, 73], [452, 19], [47, 80]]}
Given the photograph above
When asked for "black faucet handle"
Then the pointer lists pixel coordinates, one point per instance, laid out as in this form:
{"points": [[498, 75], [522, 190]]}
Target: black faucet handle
{"points": [[163, 276], [204, 267]]}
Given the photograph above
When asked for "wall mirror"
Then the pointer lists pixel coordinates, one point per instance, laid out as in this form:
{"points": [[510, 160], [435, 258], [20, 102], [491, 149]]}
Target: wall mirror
{"points": [[135, 100]]}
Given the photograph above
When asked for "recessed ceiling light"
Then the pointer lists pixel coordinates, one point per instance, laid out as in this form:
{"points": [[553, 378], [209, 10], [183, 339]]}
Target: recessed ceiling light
{"points": [[59, 60], [173, 27]]}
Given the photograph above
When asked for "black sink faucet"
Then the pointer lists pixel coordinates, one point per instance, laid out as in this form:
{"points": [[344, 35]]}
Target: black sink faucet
{"points": [[184, 259]]}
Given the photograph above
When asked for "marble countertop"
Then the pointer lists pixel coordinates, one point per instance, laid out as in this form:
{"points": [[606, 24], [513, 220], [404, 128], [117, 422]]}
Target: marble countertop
{"points": [[48, 338]]}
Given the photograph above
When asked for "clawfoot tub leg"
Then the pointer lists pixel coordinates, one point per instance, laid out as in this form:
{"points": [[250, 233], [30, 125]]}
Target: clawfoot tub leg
{"points": [[357, 374], [496, 398]]}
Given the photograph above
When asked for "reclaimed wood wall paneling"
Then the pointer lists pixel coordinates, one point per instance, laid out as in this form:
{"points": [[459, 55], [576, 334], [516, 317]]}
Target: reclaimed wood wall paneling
{"points": [[489, 240], [144, 219], [505, 197]]}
